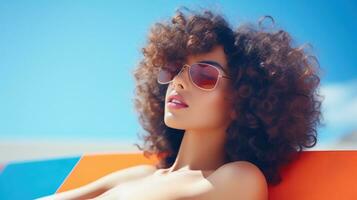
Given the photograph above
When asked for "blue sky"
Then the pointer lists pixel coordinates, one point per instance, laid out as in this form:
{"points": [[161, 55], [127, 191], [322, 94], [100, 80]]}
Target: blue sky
{"points": [[65, 66]]}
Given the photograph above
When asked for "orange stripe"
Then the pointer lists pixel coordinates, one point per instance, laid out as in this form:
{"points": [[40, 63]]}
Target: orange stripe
{"points": [[92, 167]]}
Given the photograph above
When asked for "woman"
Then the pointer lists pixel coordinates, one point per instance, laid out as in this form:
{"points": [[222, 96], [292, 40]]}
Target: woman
{"points": [[223, 109]]}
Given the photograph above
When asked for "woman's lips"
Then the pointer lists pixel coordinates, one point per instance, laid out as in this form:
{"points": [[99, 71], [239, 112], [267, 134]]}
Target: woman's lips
{"points": [[176, 105], [176, 101]]}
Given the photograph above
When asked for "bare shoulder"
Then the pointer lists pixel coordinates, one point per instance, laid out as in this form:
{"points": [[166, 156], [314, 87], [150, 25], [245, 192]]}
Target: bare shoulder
{"points": [[240, 168], [239, 180]]}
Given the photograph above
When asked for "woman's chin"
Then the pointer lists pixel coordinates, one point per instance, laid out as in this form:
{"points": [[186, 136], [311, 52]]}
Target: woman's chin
{"points": [[173, 123]]}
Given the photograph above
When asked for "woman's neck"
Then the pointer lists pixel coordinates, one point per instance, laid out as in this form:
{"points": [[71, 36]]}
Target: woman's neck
{"points": [[200, 150]]}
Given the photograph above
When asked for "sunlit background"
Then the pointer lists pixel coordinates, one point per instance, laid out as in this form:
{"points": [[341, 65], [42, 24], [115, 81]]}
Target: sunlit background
{"points": [[66, 84]]}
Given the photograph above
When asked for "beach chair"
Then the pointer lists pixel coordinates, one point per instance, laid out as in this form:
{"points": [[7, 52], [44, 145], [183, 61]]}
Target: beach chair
{"points": [[315, 175]]}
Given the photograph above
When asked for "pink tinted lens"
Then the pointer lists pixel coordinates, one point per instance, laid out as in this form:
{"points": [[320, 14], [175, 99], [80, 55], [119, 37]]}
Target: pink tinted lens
{"points": [[164, 75], [167, 73], [204, 75]]}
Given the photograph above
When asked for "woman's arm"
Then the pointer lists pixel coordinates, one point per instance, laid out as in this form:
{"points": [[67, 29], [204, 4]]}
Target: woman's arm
{"points": [[105, 183]]}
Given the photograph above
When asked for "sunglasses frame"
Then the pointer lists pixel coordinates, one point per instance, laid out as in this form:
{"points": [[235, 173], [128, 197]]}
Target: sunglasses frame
{"points": [[220, 75]]}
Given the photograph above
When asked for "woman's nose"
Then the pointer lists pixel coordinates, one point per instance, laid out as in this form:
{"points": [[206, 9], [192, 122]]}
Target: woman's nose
{"points": [[180, 78]]}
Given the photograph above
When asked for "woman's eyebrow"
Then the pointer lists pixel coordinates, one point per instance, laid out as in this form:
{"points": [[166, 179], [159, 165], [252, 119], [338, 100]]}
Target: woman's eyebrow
{"points": [[211, 62]]}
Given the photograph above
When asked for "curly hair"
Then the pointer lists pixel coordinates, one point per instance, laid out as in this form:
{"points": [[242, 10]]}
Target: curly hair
{"points": [[275, 94]]}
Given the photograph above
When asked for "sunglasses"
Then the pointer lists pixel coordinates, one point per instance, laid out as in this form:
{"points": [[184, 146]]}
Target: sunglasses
{"points": [[203, 75]]}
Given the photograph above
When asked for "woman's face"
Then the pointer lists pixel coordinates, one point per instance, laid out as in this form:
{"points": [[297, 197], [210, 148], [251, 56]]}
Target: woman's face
{"points": [[206, 110]]}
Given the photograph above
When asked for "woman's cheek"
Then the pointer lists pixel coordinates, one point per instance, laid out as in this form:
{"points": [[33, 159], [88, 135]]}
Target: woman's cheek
{"points": [[211, 112]]}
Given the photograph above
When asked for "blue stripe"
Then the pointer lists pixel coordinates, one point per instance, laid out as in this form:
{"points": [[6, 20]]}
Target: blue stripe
{"points": [[29, 180]]}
